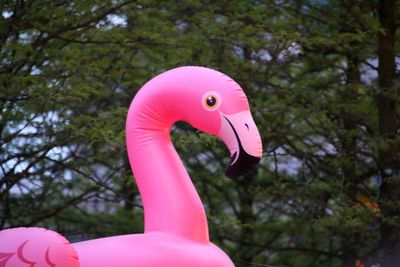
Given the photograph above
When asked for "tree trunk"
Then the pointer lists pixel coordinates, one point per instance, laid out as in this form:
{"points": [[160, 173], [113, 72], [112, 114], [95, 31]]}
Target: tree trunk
{"points": [[349, 147], [246, 218], [389, 155]]}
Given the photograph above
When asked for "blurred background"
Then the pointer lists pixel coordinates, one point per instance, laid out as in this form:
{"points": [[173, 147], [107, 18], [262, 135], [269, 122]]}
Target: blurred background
{"points": [[322, 78]]}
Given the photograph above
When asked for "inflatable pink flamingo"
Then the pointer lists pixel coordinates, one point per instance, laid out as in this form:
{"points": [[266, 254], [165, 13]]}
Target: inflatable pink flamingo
{"points": [[176, 231]]}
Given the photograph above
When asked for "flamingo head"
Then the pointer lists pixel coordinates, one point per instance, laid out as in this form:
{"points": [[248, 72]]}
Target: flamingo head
{"points": [[214, 103]]}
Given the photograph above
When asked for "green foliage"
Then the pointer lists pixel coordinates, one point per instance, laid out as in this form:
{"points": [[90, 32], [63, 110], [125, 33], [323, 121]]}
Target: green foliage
{"points": [[69, 69]]}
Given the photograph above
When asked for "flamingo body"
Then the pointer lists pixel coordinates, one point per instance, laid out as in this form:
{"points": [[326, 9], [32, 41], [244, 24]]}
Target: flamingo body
{"points": [[151, 250], [35, 247], [176, 230]]}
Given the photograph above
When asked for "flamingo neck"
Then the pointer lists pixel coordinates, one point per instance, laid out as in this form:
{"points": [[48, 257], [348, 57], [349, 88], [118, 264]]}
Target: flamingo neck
{"points": [[171, 203]]}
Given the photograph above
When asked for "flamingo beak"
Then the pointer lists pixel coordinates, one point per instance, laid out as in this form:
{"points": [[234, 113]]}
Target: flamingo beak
{"points": [[240, 134]]}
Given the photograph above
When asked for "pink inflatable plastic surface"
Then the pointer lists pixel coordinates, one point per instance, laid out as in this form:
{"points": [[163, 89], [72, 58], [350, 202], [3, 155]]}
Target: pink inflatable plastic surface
{"points": [[35, 247], [176, 231]]}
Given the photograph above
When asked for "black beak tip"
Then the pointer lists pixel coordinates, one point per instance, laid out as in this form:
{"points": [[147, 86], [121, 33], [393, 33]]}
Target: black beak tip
{"points": [[242, 165]]}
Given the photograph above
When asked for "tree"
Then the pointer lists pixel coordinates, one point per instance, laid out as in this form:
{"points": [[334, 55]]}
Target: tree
{"points": [[321, 80], [44, 110]]}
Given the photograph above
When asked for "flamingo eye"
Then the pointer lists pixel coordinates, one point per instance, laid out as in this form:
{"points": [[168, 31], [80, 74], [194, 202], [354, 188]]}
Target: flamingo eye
{"points": [[211, 101]]}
